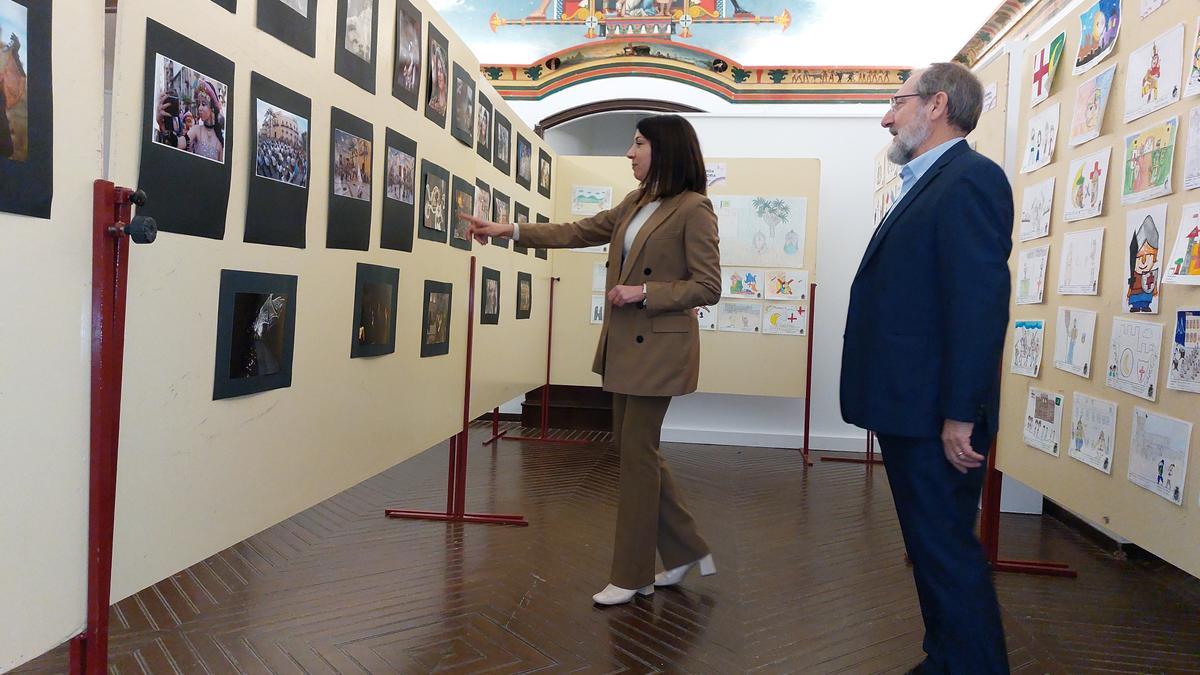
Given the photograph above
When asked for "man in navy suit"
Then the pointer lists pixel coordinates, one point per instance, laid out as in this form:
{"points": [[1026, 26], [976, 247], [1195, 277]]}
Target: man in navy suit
{"points": [[921, 359]]}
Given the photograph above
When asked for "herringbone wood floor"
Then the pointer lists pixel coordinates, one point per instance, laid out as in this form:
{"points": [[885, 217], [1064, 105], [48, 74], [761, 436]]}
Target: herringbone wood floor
{"points": [[811, 580]]}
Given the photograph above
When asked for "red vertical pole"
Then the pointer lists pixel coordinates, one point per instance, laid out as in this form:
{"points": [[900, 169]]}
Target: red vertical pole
{"points": [[812, 306], [460, 505], [989, 516]]}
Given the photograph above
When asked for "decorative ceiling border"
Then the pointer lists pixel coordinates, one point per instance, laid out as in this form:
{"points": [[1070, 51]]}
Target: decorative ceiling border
{"points": [[1000, 27]]}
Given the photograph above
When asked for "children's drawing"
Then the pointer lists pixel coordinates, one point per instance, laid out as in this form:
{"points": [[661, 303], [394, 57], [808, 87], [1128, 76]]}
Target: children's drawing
{"points": [[588, 200], [1040, 138], [1133, 357], [597, 311], [1043, 421], [1184, 371], [989, 98], [740, 282], [1143, 231], [1149, 155], [1192, 85], [1036, 203], [1074, 335], [1099, 26], [1079, 267], [784, 319], [1154, 75], [786, 285], [1158, 454], [1031, 274], [740, 317], [706, 316], [762, 231], [1028, 336], [1183, 263], [1091, 100], [1093, 426], [1045, 63], [599, 276], [1088, 176]]}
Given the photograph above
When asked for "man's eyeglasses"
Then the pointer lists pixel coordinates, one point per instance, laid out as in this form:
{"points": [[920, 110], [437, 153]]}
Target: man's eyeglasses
{"points": [[897, 100]]}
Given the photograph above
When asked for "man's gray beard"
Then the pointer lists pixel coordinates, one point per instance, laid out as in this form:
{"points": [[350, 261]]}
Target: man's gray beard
{"points": [[905, 143]]}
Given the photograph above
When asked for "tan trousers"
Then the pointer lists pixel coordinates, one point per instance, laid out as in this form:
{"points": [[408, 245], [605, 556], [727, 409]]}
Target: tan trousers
{"points": [[651, 513]]}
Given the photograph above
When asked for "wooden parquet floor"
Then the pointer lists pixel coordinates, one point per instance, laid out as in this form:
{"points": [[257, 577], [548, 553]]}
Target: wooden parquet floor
{"points": [[811, 580]]}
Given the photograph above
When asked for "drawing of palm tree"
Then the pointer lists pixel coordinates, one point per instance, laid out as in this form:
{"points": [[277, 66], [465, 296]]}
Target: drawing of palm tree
{"points": [[771, 211]]}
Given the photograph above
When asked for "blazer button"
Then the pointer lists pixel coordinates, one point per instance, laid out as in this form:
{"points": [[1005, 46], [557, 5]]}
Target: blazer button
{"points": [[647, 271], [640, 339]]}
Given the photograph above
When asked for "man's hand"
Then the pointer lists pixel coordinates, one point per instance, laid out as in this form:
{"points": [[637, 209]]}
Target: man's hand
{"points": [[482, 229], [620, 296], [956, 443]]}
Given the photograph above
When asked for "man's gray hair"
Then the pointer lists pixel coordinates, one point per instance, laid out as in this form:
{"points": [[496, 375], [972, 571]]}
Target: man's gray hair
{"points": [[964, 93]]}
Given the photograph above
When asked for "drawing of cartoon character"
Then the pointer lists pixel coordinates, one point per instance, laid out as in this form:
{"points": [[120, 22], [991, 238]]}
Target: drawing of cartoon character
{"points": [[1150, 79], [1143, 259]]}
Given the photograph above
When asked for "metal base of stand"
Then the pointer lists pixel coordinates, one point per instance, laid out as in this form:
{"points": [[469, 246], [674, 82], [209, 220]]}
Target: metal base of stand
{"points": [[481, 518], [869, 460]]}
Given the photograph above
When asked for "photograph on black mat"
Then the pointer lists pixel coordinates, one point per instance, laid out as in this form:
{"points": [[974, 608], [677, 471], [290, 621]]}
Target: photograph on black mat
{"points": [[350, 150], [524, 162], [483, 200], [543, 181], [406, 73], [277, 201], [374, 328], [524, 294], [435, 202], [256, 330], [483, 129], [520, 215], [437, 78], [354, 51], [229, 5], [502, 144], [464, 202], [435, 318], [489, 297], [188, 122], [292, 22], [462, 122], [26, 109], [400, 191], [500, 207], [541, 252]]}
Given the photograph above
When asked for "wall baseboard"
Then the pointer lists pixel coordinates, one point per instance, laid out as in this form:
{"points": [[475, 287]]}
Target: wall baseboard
{"points": [[756, 439]]}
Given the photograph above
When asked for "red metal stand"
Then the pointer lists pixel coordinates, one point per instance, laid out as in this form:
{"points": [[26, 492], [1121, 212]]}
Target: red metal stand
{"points": [[869, 460], [496, 433], [544, 433], [456, 478], [812, 308], [989, 530], [112, 227]]}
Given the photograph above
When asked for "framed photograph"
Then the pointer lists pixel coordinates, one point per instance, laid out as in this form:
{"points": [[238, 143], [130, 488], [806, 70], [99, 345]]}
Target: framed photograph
{"points": [[375, 292], [524, 294], [437, 78], [435, 318], [406, 73], [541, 252], [351, 142], [354, 52], [292, 22], [500, 214], [26, 114], [277, 201], [502, 144], [463, 201], [524, 162], [520, 215], [489, 297], [400, 191], [435, 202], [462, 123], [189, 115], [256, 332], [543, 173], [228, 5], [483, 129]]}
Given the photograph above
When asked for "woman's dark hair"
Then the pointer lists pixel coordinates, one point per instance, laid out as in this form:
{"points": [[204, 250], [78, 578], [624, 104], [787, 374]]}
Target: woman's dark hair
{"points": [[676, 164]]}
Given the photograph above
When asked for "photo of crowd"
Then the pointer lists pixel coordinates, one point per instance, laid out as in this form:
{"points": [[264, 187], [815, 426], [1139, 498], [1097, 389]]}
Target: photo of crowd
{"points": [[351, 166], [282, 153], [401, 176]]}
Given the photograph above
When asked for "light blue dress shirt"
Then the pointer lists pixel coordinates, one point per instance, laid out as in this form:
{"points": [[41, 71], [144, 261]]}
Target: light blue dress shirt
{"points": [[911, 173]]}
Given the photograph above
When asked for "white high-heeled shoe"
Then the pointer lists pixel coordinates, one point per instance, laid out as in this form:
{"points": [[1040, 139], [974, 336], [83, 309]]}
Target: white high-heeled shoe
{"points": [[615, 595], [675, 575]]}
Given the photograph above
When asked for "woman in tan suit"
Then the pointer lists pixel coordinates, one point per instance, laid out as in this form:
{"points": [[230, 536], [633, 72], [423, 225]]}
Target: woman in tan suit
{"points": [[663, 261]]}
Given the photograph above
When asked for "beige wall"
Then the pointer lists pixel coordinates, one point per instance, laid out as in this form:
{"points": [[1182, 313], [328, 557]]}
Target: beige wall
{"points": [[198, 475], [730, 363], [45, 352], [1112, 501]]}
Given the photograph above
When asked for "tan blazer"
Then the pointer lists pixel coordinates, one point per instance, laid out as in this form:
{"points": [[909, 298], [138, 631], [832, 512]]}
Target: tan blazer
{"points": [[655, 350]]}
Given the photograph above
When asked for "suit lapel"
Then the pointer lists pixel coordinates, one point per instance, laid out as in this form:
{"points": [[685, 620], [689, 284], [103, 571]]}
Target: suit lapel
{"points": [[666, 208], [898, 210]]}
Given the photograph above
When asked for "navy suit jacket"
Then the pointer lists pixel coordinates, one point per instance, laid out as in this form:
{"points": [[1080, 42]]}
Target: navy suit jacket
{"points": [[929, 304]]}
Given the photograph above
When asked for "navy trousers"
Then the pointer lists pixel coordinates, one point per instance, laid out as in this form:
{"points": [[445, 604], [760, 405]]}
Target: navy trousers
{"points": [[936, 506]]}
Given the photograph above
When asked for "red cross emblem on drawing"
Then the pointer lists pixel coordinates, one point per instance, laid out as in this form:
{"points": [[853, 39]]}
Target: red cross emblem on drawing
{"points": [[791, 317], [1041, 72], [1095, 172]]}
